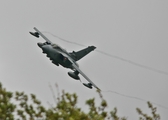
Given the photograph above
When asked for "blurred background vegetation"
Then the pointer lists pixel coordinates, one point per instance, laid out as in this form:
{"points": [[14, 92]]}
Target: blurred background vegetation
{"points": [[20, 106]]}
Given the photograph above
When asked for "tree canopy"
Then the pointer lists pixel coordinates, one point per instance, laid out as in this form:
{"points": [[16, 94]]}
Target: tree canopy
{"points": [[20, 106]]}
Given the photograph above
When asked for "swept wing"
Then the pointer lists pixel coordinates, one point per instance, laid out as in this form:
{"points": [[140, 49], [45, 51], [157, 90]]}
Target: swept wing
{"points": [[45, 38], [77, 68]]}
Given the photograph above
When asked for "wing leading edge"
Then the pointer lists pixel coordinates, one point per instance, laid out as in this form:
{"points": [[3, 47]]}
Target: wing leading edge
{"points": [[44, 37], [77, 68]]}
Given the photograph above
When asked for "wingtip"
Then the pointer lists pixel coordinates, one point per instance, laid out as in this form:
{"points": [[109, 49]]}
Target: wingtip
{"points": [[98, 89]]}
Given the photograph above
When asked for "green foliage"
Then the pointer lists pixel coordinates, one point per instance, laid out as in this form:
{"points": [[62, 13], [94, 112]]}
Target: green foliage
{"points": [[144, 116], [18, 105], [6, 107]]}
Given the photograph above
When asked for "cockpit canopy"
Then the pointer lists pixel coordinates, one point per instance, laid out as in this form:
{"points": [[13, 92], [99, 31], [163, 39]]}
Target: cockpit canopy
{"points": [[56, 46]]}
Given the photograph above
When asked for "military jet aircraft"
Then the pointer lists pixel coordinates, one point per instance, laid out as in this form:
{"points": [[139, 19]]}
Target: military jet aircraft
{"points": [[60, 56]]}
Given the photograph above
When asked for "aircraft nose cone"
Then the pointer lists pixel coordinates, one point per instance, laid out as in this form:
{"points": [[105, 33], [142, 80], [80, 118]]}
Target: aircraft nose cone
{"points": [[40, 44]]}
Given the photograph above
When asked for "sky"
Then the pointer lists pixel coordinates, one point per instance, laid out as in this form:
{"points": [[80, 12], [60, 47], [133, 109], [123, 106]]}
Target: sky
{"points": [[131, 30]]}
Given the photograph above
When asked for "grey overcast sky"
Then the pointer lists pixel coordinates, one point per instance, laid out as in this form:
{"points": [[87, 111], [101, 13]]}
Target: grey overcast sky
{"points": [[135, 30]]}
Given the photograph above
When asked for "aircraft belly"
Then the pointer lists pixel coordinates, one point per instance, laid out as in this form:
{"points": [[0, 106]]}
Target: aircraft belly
{"points": [[60, 59], [57, 57], [64, 61]]}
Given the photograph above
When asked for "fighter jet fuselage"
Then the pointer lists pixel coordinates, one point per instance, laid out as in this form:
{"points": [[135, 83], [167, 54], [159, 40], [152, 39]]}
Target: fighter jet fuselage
{"points": [[54, 53], [60, 56]]}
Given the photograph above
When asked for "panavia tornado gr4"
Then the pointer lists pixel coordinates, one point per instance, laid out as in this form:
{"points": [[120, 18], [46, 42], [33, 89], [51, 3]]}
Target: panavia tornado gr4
{"points": [[60, 56]]}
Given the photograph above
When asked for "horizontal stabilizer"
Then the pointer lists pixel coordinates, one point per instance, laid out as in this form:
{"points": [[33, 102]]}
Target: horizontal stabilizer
{"points": [[80, 54]]}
